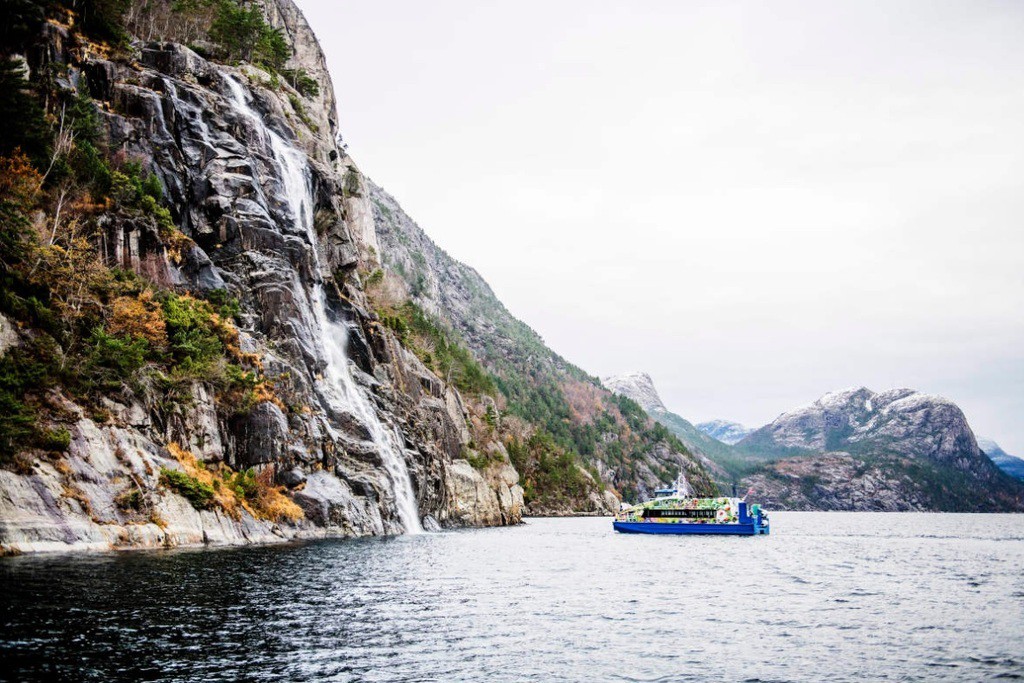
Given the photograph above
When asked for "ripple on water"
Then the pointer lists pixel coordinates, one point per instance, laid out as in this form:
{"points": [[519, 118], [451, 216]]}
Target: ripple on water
{"points": [[884, 597]]}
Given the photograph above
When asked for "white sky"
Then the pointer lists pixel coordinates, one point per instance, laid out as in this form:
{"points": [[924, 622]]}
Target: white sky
{"points": [[755, 202]]}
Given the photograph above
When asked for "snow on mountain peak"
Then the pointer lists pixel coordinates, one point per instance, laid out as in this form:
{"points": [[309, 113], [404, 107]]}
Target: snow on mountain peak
{"points": [[726, 431]]}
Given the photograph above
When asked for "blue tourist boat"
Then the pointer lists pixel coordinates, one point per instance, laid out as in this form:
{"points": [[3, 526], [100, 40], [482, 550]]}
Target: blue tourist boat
{"points": [[674, 511]]}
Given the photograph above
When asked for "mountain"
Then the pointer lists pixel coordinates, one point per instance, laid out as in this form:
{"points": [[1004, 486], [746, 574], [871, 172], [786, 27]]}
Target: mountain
{"points": [[214, 329], [725, 431], [541, 397], [188, 354], [1010, 464], [850, 450], [895, 450], [725, 463]]}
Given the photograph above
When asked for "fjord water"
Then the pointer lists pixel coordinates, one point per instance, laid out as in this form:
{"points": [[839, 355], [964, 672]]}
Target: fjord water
{"points": [[828, 596]]}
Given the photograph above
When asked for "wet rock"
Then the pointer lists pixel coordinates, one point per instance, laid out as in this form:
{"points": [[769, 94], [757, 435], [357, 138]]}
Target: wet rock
{"points": [[260, 436], [293, 478]]}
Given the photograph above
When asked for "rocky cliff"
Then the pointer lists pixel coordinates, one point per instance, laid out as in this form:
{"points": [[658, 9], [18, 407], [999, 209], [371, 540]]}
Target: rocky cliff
{"points": [[894, 450], [310, 417], [638, 386]]}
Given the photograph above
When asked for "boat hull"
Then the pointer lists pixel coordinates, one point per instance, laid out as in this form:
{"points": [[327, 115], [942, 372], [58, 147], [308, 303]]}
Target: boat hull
{"points": [[689, 529]]}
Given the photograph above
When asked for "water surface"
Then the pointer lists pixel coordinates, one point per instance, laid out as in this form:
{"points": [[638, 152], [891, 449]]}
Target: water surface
{"points": [[828, 596]]}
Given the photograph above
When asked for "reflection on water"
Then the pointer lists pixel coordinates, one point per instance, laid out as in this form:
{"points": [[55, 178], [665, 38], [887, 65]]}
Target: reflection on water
{"points": [[837, 596]]}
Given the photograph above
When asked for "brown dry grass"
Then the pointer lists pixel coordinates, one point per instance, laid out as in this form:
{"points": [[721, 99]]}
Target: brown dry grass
{"points": [[269, 502], [272, 503]]}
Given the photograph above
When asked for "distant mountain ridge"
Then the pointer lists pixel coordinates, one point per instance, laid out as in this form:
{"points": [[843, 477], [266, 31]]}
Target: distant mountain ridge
{"points": [[726, 431], [1010, 464], [905, 419], [854, 449]]}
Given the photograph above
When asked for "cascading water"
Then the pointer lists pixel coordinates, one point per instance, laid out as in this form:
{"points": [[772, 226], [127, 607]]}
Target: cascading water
{"points": [[340, 389], [683, 486]]}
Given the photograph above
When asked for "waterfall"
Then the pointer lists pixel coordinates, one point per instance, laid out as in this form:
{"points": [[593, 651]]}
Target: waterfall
{"points": [[682, 486], [340, 389]]}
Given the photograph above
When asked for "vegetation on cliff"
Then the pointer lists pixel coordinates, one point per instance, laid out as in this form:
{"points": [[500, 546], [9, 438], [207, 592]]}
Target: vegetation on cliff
{"points": [[209, 486], [552, 476], [86, 326], [434, 345], [574, 416], [89, 327]]}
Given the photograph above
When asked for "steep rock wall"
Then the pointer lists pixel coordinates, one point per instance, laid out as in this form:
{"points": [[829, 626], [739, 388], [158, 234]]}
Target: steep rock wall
{"points": [[254, 177]]}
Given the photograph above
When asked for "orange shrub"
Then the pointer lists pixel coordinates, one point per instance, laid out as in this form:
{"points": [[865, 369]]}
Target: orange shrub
{"points": [[19, 181], [140, 317]]}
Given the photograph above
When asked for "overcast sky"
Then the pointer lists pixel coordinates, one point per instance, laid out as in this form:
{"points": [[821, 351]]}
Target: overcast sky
{"points": [[755, 202]]}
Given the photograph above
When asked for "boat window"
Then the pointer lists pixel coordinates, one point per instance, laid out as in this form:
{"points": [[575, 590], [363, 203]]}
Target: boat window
{"points": [[686, 514]]}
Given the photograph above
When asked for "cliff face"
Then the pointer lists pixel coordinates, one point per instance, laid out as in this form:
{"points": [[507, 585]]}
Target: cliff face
{"points": [[366, 439], [638, 386]]}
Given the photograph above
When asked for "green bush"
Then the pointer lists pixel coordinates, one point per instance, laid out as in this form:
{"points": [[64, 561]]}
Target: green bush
{"points": [[123, 355], [84, 121], [241, 389], [24, 371], [480, 460], [302, 82], [244, 35], [225, 305], [91, 168], [200, 495], [134, 188], [191, 331], [244, 484], [17, 421], [55, 440]]}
